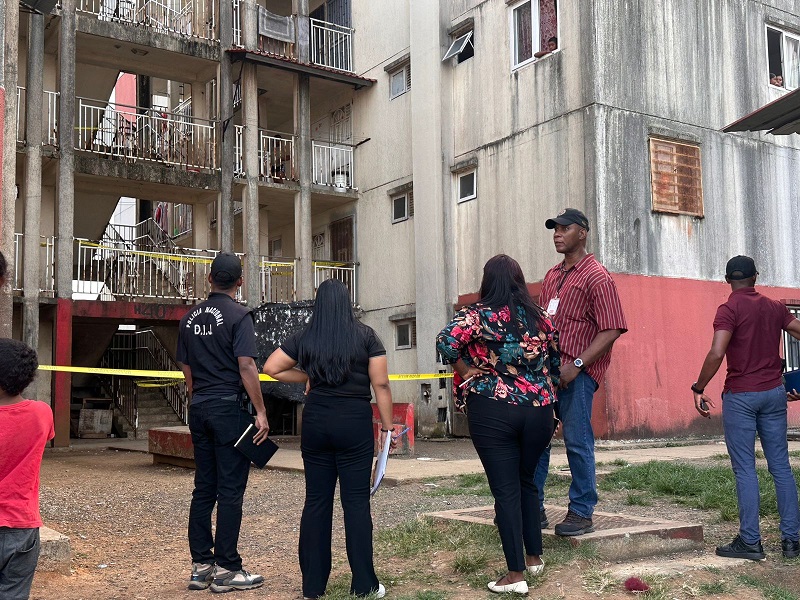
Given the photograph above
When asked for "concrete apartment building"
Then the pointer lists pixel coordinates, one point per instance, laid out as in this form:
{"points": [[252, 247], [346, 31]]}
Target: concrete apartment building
{"points": [[335, 139]]}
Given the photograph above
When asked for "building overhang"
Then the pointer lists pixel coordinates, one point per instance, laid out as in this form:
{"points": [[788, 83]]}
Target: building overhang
{"points": [[780, 117], [288, 64]]}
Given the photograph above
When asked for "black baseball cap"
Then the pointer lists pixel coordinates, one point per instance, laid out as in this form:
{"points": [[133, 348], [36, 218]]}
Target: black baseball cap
{"points": [[740, 267], [568, 216], [226, 268]]}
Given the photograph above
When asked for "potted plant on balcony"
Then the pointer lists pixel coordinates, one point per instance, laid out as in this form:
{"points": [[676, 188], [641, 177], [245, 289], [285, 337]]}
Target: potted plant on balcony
{"points": [[341, 178]]}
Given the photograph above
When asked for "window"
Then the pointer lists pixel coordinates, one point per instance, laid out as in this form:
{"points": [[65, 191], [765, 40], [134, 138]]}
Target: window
{"points": [[783, 58], [462, 47], [399, 81], [276, 248], [406, 335], [791, 346], [677, 184], [402, 207], [467, 186], [534, 30]]}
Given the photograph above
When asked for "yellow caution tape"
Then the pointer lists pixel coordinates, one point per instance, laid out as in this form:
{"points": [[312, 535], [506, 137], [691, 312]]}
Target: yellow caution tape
{"points": [[149, 375], [176, 257]]}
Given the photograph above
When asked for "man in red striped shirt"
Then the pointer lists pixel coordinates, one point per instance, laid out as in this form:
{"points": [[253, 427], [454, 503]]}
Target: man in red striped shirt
{"points": [[582, 301]]}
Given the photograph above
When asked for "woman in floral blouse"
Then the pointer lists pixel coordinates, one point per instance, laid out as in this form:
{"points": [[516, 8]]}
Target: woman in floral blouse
{"points": [[505, 358]]}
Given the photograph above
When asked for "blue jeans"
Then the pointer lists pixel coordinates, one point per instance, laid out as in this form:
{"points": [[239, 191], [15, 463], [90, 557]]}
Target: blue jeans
{"points": [[575, 410], [744, 414], [220, 478], [19, 553]]}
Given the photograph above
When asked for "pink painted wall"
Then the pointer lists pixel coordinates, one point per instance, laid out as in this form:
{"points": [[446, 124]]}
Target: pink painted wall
{"points": [[646, 392], [125, 94]]}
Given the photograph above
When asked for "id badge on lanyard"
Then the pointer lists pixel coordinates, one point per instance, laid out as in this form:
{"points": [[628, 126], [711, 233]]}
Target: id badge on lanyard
{"points": [[552, 307]]}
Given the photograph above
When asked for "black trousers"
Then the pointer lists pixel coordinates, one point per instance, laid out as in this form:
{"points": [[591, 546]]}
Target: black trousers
{"points": [[509, 440], [336, 442], [220, 478]]}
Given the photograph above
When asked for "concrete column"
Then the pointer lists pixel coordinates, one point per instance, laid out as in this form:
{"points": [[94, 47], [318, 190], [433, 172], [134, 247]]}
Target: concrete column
{"points": [[201, 225], [302, 200], [8, 197], [226, 131], [33, 179], [432, 180], [65, 198], [250, 153], [65, 221]]}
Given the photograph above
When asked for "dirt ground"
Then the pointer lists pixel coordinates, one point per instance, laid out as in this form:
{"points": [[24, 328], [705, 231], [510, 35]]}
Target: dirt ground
{"points": [[127, 522]]}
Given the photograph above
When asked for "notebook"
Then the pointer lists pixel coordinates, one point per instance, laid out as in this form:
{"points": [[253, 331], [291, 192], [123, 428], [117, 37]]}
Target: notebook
{"points": [[259, 454], [791, 380]]}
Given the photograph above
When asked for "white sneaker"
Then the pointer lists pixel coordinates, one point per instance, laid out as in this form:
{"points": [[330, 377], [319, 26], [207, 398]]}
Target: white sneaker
{"points": [[381, 591], [229, 581], [202, 574]]}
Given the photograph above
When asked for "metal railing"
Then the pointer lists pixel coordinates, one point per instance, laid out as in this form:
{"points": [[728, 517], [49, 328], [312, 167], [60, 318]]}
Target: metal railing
{"points": [[278, 282], [143, 350], [275, 155], [49, 116], [123, 392], [333, 164], [343, 271], [136, 133], [186, 18], [118, 270], [237, 23], [331, 45], [47, 264]]}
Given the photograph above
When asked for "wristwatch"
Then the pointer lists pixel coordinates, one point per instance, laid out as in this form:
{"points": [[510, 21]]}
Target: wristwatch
{"points": [[578, 363], [696, 389]]}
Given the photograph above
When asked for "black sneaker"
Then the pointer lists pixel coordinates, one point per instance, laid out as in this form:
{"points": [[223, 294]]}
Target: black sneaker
{"points": [[574, 524], [543, 519], [202, 574], [791, 548], [738, 548]]}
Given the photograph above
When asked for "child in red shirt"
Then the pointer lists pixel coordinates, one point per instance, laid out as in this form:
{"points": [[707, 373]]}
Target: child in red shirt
{"points": [[25, 427]]}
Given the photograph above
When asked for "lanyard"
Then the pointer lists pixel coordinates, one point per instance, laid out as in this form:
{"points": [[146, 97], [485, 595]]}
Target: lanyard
{"points": [[563, 278]]}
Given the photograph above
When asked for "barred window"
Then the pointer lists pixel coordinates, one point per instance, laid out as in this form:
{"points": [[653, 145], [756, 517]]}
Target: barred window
{"points": [[677, 183]]}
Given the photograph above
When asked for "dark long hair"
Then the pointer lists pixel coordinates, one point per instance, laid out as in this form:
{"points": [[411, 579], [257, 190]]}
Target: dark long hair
{"points": [[329, 344], [503, 284]]}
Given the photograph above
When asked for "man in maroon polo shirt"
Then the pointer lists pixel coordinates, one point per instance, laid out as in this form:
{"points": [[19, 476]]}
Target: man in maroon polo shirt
{"points": [[582, 301], [748, 330]]}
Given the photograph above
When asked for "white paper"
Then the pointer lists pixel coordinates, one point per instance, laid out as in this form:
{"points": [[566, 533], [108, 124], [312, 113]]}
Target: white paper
{"points": [[380, 464]]}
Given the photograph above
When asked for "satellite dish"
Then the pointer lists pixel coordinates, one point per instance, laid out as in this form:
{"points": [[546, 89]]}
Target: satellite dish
{"points": [[43, 7]]}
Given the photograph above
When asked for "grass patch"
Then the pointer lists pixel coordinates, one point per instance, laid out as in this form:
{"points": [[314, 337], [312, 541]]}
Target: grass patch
{"points": [[638, 500], [598, 582], [471, 561], [471, 484], [715, 587], [425, 595], [768, 590], [708, 488]]}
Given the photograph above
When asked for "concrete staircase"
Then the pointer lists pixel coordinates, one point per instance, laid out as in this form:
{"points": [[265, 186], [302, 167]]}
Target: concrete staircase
{"points": [[154, 411]]}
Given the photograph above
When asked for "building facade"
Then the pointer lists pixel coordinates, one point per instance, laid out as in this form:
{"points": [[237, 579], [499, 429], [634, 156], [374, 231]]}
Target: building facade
{"points": [[396, 145]]}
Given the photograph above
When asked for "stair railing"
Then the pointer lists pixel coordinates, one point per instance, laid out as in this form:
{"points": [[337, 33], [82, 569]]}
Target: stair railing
{"points": [[122, 390]]}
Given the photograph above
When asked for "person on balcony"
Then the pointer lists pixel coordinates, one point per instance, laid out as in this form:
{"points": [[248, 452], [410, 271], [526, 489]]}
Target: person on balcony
{"points": [[216, 351], [340, 359], [505, 357], [25, 428]]}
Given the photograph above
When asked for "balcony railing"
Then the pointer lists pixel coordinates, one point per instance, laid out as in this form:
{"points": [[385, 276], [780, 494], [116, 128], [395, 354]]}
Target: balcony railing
{"points": [[275, 155], [117, 270], [277, 279], [343, 271], [331, 45], [49, 117], [136, 133], [333, 164], [187, 18], [47, 258]]}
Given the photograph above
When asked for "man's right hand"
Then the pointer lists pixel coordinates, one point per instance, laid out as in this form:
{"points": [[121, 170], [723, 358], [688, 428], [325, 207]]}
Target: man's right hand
{"points": [[263, 428], [793, 396]]}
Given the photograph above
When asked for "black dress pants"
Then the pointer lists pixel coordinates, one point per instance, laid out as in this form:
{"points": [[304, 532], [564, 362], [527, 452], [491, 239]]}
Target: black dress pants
{"points": [[509, 440], [220, 477], [336, 442]]}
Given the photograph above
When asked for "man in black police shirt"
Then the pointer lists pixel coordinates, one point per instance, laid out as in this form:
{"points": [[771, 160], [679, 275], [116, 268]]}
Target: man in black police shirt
{"points": [[216, 348]]}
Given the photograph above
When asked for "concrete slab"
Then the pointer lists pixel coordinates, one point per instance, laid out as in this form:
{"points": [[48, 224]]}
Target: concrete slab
{"points": [[617, 537], [56, 554], [676, 566]]}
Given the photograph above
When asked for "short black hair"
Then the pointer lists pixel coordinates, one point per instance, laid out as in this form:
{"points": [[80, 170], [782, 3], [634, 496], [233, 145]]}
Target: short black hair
{"points": [[553, 39], [18, 364], [3, 268]]}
